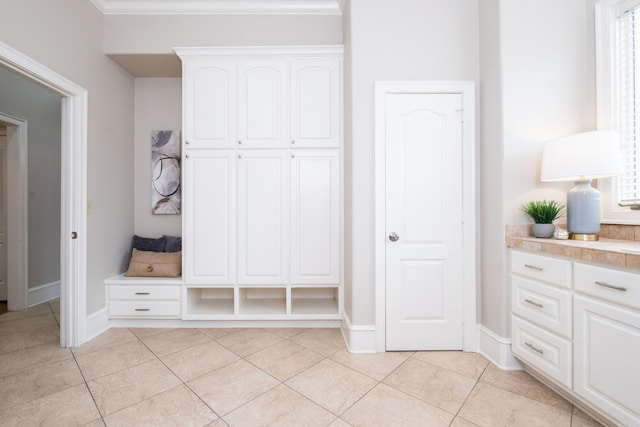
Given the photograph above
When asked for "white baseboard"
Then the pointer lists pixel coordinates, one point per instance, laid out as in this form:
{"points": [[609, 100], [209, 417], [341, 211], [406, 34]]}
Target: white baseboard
{"points": [[43, 293], [497, 349], [96, 324], [359, 338]]}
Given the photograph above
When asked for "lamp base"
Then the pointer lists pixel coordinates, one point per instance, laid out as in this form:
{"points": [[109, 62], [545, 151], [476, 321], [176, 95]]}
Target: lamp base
{"points": [[584, 237]]}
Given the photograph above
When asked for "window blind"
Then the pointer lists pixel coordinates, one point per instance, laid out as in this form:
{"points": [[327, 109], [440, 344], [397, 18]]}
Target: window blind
{"points": [[628, 98]]}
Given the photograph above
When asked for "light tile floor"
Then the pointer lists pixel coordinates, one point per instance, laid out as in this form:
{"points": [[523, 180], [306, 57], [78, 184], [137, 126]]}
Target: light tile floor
{"points": [[253, 377]]}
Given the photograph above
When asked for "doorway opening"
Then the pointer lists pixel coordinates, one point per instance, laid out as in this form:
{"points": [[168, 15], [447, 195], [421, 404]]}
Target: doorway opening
{"points": [[73, 242], [13, 196]]}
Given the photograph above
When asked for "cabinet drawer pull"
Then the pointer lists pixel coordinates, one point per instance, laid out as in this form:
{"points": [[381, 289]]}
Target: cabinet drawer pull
{"points": [[537, 304], [143, 293], [534, 348], [606, 285], [143, 309], [534, 267]]}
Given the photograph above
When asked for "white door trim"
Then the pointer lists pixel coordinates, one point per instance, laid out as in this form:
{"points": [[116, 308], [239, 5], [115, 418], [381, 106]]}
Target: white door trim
{"points": [[73, 252], [467, 90], [17, 212]]}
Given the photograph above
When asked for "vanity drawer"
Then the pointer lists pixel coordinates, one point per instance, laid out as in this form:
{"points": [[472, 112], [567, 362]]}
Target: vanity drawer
{"points": [[149, 309], [545, 351], [543, 305], [550, 270], [617, 286], [140, 292]]}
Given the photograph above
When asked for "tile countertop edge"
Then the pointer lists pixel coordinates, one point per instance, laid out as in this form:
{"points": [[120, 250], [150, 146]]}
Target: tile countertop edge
{"points": [[610, 252]]}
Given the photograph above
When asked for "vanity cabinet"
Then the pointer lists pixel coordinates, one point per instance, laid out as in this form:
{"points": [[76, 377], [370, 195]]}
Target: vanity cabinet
{"points": [[262, 183], [541, 304], [607, 340], [577, 326]]}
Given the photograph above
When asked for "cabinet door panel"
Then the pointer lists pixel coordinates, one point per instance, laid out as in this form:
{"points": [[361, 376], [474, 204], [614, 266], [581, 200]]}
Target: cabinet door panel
{"points": [[262, 216], [262, 104], [315, 210], [315, 103], [210, 104], [209, 217], [606, 367]]}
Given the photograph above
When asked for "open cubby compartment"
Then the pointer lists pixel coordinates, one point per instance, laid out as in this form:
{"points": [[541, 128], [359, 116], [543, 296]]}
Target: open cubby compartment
{"points": [[263, 301], [210, 301], [314, 300]]}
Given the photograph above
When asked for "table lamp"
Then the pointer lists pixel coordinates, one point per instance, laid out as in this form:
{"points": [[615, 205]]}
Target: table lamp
{"points": [[582, 157]]}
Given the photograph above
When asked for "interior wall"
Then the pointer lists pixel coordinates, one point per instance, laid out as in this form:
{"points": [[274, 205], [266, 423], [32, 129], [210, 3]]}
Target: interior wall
{"points": [[144, 44], [393, 40], [158, 106], [41, 109], [66, 36], [538, 82]]}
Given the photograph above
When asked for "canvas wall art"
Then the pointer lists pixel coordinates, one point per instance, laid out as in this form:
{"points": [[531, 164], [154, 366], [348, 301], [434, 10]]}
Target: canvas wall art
{"points": [[165, 171]]}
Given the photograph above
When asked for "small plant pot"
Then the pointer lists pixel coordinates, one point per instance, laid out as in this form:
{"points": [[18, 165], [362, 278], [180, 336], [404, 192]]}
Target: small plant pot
{"points": [[544, 231]]}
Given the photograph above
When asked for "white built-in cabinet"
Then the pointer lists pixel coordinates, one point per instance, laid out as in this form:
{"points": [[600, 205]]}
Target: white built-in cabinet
{"points": [[262, 183], [577, 326]]}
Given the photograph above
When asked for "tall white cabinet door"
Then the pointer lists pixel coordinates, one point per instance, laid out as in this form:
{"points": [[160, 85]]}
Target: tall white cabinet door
{"points": [[315, 217], [209, 217], [315, 103], [262, 217], [263, 107], [606, 349], [210, 89]]}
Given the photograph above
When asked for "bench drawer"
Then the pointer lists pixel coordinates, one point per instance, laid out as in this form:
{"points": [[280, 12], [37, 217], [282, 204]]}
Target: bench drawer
{"points": [[149, 309]]}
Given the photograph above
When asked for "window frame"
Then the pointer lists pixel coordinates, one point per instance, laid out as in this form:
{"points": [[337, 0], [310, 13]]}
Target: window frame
{"points": [[606, 82]]}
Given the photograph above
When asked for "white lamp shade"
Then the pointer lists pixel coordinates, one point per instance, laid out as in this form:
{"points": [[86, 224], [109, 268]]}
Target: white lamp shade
{"points": [[586, 155]]}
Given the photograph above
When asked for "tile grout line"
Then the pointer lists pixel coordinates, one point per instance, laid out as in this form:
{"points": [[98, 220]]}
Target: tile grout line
{"points": [[86, 384], [178, 377]]}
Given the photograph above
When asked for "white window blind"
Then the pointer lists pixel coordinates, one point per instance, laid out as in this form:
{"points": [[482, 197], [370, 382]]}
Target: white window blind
{"points": [[628, 98]]}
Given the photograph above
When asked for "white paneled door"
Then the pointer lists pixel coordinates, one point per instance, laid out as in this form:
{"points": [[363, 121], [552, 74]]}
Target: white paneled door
{"points": [[424, 218]]}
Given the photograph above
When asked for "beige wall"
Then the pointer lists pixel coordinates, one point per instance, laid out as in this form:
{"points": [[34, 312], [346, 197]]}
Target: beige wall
{"points": [[391, 40], [66, 36], [144, 44], [158, 106], [537, 82]]}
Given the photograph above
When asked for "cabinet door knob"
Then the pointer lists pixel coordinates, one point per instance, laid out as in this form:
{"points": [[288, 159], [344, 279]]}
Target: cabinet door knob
{"points": [[393, 237], [239, 141], [186, 141], [293, 141]]}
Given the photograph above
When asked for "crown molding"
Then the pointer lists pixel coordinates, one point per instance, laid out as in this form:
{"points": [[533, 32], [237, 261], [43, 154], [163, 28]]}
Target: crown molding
{"points": [[185, 7]]}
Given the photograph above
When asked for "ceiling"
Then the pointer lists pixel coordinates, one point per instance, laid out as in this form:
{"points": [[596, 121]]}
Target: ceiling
{"points": [[155, 7]]}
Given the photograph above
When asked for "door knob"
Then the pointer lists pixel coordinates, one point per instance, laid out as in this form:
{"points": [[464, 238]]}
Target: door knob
{"points": [[393, 237]]}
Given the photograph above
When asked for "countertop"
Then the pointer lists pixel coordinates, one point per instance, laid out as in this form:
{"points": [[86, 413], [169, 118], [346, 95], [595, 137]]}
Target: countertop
{"points": [[609, 251]]}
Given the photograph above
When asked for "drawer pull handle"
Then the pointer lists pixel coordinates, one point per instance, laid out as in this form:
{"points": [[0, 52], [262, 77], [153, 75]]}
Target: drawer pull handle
{"points": [[143, 293], [606, 285], [534, 348], [143, 309], [534, 267], [537, 304]]}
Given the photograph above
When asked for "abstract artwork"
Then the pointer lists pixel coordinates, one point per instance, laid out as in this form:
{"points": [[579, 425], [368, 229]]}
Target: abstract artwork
{"points": [[165, 171]]}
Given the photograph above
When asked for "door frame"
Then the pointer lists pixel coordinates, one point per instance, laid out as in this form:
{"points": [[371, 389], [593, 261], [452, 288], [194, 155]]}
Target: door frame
{"points": [[17, 212], [467, 90], [73, 227]]}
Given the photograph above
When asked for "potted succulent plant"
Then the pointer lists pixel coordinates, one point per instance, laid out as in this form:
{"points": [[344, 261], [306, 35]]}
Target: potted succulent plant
{"points": [[543, 213]]}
